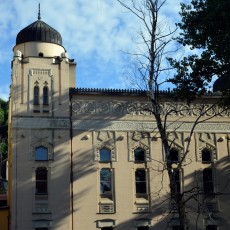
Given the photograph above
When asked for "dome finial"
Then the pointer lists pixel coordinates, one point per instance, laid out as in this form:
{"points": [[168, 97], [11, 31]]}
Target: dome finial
{"points": [[39, 13]]}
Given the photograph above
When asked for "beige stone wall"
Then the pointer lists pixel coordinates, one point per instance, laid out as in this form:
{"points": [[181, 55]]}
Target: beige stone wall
{"points": [[95, 121], [41, 125], [120, 122]]}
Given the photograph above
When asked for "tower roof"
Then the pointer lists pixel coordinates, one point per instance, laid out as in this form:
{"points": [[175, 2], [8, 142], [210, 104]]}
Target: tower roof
{"points": [[39, 31], [222, 84]]}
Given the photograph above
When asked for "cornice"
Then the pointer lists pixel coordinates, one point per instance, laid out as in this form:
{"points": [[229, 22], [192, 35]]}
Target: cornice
{"points": [[64, 123]]}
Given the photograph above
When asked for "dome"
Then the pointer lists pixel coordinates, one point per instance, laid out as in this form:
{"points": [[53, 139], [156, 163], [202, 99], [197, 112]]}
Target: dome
{"points": [[39, 31], [222, 84]]}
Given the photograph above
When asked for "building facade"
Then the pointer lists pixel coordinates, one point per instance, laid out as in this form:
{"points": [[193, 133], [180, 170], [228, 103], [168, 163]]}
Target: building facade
{"points": [[91, 159]]}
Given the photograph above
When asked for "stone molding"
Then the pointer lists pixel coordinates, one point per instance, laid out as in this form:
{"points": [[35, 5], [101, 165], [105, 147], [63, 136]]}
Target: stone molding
{"points": [[139, 139], [64, 123], [104, 139], [41, 123]]}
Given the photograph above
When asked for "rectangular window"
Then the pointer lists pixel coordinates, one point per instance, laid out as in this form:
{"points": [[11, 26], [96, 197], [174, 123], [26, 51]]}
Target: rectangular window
{"points": [[36, 95], [206, 156], [178, 181], [176, 227], [45, 95], [41, 181], [139, 155], [41, 229], [174, 155], [140, 178], [143, 228], [211, 227], [106, 181], [208, 181]]}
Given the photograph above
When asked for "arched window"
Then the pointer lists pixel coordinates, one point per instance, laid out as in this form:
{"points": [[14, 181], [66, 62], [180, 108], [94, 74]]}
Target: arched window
{"points": [[36, 95], [139, 154], [206, 156], [174, 155], [45, 95], [41, 179], [105, 154], [41, 153]]}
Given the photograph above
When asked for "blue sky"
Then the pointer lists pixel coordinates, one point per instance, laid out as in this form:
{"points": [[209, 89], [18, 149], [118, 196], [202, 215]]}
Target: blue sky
{"points": [[96, 33]]}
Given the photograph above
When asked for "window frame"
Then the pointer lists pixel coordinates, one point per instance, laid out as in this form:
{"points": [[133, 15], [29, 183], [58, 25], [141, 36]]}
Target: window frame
{"points": [[36, 153], [208, 181], [143, 153], [178, 179], [102, 151], [143, 228], [211, 227], [142, 183], [36, 95], [105, 182], [45, 95], [41, 182], [208, 159], [174, 150]]}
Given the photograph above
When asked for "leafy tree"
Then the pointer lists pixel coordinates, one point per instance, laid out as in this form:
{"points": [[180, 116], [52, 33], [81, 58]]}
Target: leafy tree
{"points": [[3, 127], [205, 25], [1, 116]]}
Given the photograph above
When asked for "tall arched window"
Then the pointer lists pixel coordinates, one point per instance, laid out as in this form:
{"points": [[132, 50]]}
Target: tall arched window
{"points": [[206, 156], [139, 154], [105, 154], [41, 179], [45, 95], [36, 95], [41, 153]]}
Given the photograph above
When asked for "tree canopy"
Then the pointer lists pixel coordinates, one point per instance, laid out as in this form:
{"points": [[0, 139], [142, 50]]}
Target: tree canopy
{"points": [[3, 127], [205, 25]]}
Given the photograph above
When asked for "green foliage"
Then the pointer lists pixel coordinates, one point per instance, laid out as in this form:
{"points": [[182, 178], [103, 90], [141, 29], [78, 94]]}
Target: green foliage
{"points": [[1, 116], [3, 127], [4, 107], [205, 25], [3, 150]]}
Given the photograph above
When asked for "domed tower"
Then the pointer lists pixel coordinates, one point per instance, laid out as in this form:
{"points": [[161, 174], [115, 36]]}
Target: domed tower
{"points": [[42, 72], [39, 39], [222, 84], [39, 156]]}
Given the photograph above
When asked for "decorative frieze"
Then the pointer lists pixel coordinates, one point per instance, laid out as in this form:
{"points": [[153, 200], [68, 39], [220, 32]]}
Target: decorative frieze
{"points": [[148, 126], [145, 108]]}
